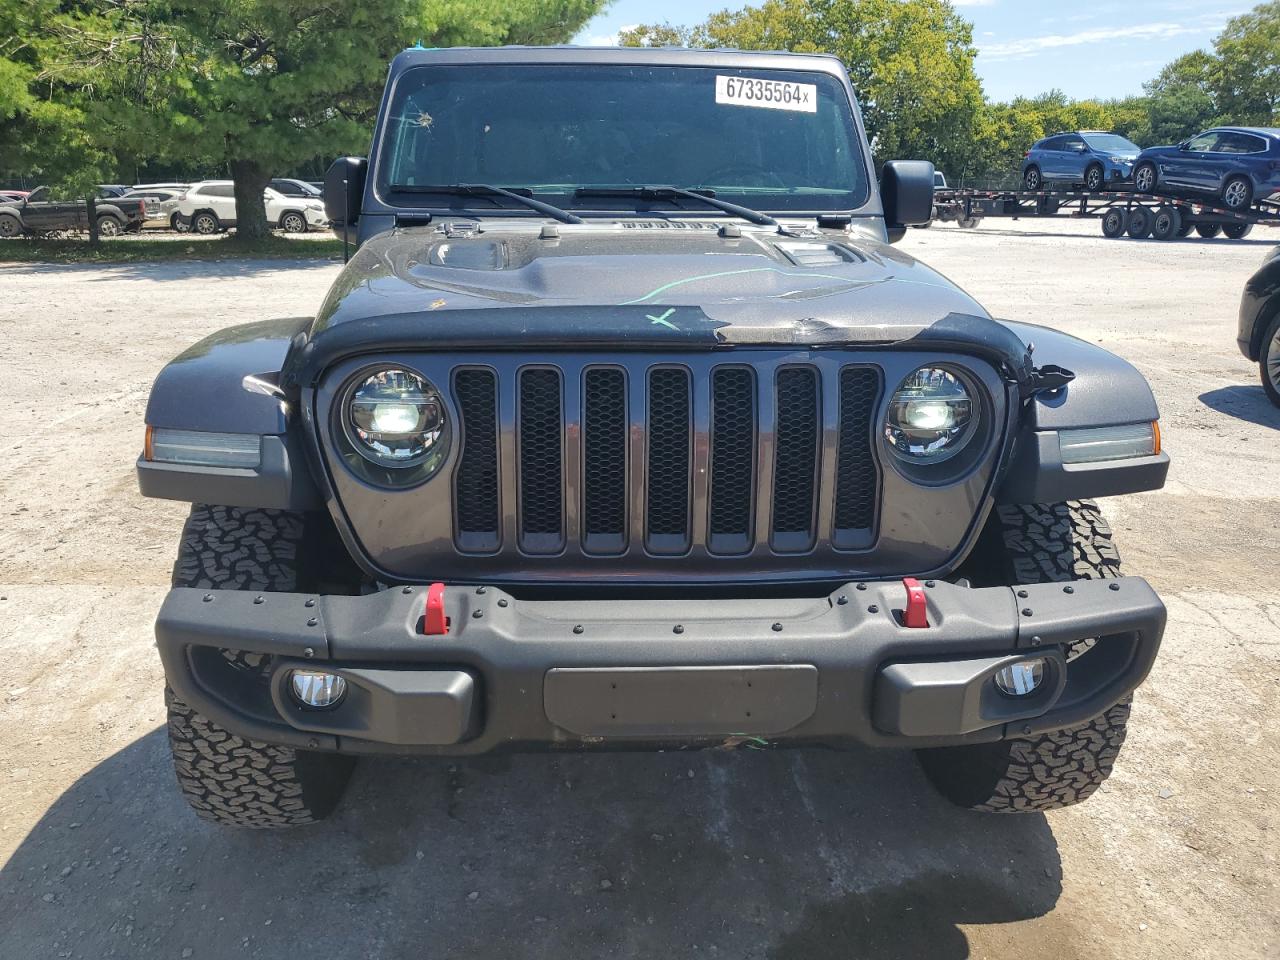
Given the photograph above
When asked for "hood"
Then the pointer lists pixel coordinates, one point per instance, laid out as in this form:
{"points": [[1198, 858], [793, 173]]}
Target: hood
{"points": [[640, 285], [759, 283]]}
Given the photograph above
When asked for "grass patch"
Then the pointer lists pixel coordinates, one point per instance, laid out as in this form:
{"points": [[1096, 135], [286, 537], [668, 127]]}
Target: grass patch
{"points": [[167, 248]]}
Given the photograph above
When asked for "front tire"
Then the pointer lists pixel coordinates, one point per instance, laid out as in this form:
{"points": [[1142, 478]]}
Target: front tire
{"points": [[293, 223], [1269, 361], [1037, 543], [10, 226], [1145, 178], [225, 778]]}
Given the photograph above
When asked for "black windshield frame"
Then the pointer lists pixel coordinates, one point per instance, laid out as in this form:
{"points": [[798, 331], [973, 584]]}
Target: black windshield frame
{"points": [[848, 196]]}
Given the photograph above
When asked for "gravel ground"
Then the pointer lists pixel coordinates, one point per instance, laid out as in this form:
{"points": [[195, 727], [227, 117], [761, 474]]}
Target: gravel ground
{"points": [[799, 854]]}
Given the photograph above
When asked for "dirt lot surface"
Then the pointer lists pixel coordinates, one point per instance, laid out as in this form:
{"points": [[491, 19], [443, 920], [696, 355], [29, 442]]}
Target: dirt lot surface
{"points": [[803, 854]]}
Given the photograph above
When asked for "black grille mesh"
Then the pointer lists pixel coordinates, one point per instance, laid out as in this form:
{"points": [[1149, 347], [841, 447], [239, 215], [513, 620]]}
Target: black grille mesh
{"points": [[477, 478], [733, 439], [668, 473], [541, 509], [857, 482], [604, 452], [795, 456]]}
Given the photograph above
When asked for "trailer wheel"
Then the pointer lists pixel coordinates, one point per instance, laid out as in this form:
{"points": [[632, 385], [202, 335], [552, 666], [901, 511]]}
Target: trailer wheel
{"points": [[1139, 223], [1208, 230], [1185, 229], [1237, 231], [968, 223], [1114, 223], [1166, 223]]}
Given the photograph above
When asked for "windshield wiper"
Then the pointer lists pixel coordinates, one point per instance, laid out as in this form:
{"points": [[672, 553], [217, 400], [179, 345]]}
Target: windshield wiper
{"points": [[666, 192], [486, 189]]}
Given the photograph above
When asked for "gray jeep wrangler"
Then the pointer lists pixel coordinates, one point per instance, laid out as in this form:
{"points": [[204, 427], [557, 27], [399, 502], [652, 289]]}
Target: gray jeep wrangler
{"points": [[626, 426]]}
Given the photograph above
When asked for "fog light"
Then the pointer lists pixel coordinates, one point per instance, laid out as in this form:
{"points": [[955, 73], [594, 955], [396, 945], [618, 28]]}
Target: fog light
{"points": [[313, 688], [1020, 679]]}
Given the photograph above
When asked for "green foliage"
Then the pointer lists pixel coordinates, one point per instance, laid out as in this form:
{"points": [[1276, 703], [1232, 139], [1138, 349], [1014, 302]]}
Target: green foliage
{"points": [[1245, 78], [256, 87], [911, 62]]}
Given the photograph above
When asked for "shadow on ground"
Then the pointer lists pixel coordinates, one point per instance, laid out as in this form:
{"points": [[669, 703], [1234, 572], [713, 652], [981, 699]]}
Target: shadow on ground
{"points": [[799, 855], [1244, 403]]}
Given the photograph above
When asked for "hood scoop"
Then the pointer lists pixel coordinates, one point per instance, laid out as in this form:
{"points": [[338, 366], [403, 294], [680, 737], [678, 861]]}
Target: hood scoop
{"points": [[809, 253]]}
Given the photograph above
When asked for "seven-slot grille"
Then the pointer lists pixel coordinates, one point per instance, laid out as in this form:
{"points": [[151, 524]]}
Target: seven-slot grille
{"points": [[662, 457]]}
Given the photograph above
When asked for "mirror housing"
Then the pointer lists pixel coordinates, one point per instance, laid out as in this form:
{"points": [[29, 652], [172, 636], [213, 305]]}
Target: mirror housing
{"points": [[906, 190], [344, 190]]}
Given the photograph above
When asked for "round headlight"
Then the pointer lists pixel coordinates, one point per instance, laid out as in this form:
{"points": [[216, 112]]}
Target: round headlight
{"points": [[931, 417], [395, 419]]}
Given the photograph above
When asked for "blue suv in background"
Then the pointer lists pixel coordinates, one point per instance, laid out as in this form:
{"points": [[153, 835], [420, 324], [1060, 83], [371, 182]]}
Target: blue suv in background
{"points": [[1240, 165], [1092, 158]]}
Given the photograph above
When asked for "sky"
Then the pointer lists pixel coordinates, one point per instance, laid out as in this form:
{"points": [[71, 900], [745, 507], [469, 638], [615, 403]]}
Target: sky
{"points": [[1025, 47]]}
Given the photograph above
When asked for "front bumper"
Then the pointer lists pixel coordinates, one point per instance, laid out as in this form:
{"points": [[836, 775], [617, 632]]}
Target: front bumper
{"points": [[523, 674]]}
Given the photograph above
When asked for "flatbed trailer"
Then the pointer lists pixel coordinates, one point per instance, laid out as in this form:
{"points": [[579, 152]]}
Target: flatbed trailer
{"points": [[1122, 210]]}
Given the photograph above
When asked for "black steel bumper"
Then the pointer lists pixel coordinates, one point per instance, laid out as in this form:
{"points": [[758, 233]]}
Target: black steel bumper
{"points": [[523, 674]]}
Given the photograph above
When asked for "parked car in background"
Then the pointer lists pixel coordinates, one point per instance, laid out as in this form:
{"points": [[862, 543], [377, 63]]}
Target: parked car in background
{"points": [[161, 205], [288, 187], [10, 196], [1088, 158], [210, 207], [1259, 332], [168, 185], [42, 211], [1240, 165], [107, 191]]}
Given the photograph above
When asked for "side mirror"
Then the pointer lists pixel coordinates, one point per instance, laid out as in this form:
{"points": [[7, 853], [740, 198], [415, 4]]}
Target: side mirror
{"points": [[344, 190], [906, 190]]}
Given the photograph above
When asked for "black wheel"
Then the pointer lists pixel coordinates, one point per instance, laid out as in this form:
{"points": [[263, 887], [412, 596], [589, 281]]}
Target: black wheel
{"points": [[1166, 223], [227, 779], [205, 223], [1032, 180], [1145, 178], [1140, 219], [1114, 223], [1237, 193], [10, 226], [109, 226], [1208, 230], [1185, 229], [293, 223], [1038, 543], [1237, 231], [1269, 361], [1094, 178], [968, 223], [177, 225]]}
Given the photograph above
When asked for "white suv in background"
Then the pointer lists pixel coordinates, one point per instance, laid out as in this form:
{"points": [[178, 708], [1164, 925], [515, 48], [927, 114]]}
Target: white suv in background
{"points": [[210, 206]]}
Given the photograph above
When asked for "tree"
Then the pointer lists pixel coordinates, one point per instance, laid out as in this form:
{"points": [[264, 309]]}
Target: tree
{"points": [[1246, 73], [260, 86], [911, 63]]}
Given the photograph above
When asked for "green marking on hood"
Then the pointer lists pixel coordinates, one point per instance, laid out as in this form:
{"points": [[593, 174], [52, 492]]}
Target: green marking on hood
{"points": [[735, 273]]}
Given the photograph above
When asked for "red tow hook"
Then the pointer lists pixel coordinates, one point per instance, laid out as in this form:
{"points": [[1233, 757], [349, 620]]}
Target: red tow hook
{"points": [[434, 622], [916, 612]]}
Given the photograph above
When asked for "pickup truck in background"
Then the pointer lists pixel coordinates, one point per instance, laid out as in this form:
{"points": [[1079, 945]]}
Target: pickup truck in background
{"points": [[40, 212]]}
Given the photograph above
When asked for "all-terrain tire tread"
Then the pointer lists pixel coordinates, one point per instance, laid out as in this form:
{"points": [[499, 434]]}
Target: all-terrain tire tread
{"points": [[1042, 543]]}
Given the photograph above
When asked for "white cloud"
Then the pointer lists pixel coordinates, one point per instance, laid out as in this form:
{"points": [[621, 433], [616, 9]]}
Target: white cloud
{"points": [[1026, 46], [608, 39]]}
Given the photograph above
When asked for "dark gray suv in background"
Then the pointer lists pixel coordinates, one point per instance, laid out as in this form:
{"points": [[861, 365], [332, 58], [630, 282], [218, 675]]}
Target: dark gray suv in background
{"points": [[627, 426]]}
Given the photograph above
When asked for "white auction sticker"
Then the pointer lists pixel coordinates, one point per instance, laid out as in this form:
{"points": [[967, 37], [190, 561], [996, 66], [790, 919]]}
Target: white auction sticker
{"points": [[771, 94]]}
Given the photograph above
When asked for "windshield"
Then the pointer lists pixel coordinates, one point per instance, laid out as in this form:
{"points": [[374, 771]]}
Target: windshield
{"points": [[765, 139], [1111, 143]]}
